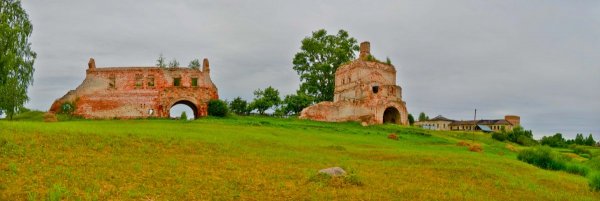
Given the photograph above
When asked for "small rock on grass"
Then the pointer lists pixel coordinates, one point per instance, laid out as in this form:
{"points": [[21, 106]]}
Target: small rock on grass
{"points": [[333, 171]]}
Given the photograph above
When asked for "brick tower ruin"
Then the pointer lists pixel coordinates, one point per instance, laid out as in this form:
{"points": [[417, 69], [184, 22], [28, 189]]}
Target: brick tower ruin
{"points": [[139, 92], [365, 91]]}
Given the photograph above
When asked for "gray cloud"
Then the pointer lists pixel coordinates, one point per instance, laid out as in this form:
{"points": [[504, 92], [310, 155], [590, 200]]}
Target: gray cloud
{"points": [[536, 59]]}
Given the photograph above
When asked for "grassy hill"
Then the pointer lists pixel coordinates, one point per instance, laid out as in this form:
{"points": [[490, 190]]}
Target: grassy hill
{"points": [[260, 158]]}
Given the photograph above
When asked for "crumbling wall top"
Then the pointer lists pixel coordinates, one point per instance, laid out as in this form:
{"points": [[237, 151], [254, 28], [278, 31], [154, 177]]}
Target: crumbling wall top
{"points": [[92, 64], [365, 50], [205, 65]]}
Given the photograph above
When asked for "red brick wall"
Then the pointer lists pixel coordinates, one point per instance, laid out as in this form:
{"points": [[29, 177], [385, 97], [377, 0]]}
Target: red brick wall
{"points": [[95, 98]]}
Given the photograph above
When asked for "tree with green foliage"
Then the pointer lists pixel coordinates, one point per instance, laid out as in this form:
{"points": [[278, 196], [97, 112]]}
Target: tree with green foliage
{"points": [[183, 116], [411, 119], [16, 57], [589, 141], [239, 106], [579, 139], [319, 57], [217, 108], [521, 136], [160, 62], [554, 141], [423, 117], [518, 135], [174, 63], [295, 103], [194, 64], [260, 105], [265, 99]]}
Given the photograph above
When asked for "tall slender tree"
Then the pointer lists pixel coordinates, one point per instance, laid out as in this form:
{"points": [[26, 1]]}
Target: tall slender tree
{"points": [[590, 140], [16, 56]]}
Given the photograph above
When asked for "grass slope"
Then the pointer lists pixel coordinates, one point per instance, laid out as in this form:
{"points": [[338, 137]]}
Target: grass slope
{"points": [[260, 158]]}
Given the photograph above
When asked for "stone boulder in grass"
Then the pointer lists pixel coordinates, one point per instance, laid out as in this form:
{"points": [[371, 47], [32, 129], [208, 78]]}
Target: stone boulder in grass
{"points": [[333, 171]]}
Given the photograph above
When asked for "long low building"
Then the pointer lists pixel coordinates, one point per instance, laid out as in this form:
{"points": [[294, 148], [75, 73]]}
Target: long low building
{"points": [[486, 125]]}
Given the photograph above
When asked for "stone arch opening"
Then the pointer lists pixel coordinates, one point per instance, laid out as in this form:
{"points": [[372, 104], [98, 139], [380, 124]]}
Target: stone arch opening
{"points": [[188, 104], [391, 115]]}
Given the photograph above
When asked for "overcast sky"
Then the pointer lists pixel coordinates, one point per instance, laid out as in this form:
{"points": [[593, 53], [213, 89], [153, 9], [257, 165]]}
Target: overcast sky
{"points": [[536, 59]]}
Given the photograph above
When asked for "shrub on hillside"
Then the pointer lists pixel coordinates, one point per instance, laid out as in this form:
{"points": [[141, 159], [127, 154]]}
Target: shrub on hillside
{"points": [[462, 144], [350, 179], [500, 136], [517, 135], [594, 163], [581, 151], [217, 108], [542, 157], [50, 117], [475, 148], [526, 141], [510, 147], [595, 181], [577, 169], [517, 132]]}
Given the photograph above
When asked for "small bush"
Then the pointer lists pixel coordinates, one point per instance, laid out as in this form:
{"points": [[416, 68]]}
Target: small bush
{"points": [[475, 148], [462, 144], [217, 108], [511, 147], [50, 117], [350, 179], [392, 136], [577, 169], [542, 157], [499, 136], [517, 135], [581, 151], [594, 181], [67, 108], [526, 141], [353, 179]]}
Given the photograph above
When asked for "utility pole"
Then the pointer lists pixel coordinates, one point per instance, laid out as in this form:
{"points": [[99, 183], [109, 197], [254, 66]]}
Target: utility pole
{"points": [[474, 124]]}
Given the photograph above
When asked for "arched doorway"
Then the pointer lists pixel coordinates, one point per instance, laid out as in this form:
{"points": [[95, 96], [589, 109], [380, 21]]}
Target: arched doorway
{"points": [[183, 105], [391, 115]]}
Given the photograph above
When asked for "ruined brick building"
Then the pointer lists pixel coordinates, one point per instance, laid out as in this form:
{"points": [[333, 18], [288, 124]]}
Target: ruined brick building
{"points": [[365, 91], [139, 92]]}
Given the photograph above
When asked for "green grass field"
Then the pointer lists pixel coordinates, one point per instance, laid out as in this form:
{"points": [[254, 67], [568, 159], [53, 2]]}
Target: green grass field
{"points": [[261, 158]]}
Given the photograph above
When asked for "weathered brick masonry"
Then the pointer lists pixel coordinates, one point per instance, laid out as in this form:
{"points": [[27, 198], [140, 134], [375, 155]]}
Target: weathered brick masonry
{"points": [[139, 92], [365, 91]]}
